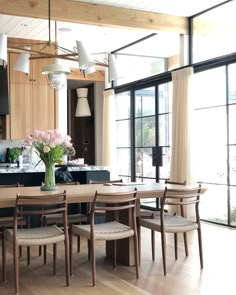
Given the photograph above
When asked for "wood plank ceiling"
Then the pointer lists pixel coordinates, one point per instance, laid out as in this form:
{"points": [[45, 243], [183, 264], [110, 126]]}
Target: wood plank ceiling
{"points": [[104, 25]]}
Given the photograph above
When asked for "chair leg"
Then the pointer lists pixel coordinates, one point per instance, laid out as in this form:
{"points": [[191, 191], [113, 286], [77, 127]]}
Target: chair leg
{"points": [[139, 240], [200, 246], [70, 249], [3, 257], [163, 244], [78, 244], [185, 243], [67, 261], [16, 266], [54, 258], [136, 255], [45, 254], [153, 244], [28, 255], [176, 245], [93, 262], [40, 250], [114, 253]]}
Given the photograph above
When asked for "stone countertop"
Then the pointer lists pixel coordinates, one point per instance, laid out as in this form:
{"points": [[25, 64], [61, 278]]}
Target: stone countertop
{"points": [[27, 168]]}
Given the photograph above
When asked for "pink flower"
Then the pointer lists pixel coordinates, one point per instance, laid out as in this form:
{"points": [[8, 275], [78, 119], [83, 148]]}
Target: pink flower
{"points": [[46, 149]]}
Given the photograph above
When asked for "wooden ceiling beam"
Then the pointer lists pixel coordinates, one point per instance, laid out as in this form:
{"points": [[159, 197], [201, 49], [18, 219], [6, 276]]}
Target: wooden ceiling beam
{"points": [[93, 14]]}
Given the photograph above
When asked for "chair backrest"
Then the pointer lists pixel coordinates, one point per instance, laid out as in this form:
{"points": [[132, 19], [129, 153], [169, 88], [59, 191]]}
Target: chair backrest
{"points": [[114, 202], [11, 185], [181, 198], [40, 205], [105, 181], [167, 181]]}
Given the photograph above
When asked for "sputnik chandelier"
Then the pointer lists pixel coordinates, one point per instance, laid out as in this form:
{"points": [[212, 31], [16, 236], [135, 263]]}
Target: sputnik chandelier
{"points": [[56, 72]]}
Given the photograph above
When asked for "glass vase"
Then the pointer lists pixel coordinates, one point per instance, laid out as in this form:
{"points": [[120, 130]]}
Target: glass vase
{"points": [[49, 179]]}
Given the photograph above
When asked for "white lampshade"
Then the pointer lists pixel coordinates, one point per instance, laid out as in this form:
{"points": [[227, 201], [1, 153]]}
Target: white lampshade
{"points": [[82, 108], [85, 59], [113, 70], [82, 92], [56, 74], [23, 62], [3, 48], [90, 70]]}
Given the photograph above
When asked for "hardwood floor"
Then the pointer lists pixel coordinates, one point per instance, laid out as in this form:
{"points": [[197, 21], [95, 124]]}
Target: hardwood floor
{"points": [[184, 276]]}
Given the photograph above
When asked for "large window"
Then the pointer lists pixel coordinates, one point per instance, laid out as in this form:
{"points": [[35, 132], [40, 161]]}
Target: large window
{"points": [[214, 32], [147, 110], [216, 142], [123, 139]]}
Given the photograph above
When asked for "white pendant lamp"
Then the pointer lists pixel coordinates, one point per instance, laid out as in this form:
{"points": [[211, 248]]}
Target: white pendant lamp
{"points": [[56, 74], [23, 62], [90, 70], [85, 59], [82, 108], [3, 49], [113, 70]]}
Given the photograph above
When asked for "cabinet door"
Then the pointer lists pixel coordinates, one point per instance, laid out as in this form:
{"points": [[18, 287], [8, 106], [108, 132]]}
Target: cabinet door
{"points": [[43, 107], [39, 64], [21, 123]]}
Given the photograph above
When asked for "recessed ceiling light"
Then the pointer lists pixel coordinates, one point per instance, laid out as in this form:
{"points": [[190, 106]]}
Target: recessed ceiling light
{"points": [[65, 30]]}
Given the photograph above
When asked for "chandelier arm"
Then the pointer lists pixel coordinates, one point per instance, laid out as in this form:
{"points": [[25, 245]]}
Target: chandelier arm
{"points": [[19, 49], [65, 49], [54, 56]]}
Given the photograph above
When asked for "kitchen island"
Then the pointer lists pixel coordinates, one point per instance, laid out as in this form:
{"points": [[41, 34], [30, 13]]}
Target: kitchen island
{"points": [[29, 175]]}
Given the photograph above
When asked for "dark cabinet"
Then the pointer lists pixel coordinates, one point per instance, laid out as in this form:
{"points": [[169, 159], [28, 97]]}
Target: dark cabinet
{"points": [[36, 179]]}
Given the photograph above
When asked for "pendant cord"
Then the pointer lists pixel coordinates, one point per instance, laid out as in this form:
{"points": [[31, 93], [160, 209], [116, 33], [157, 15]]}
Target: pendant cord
{"points": [[49, 21]]}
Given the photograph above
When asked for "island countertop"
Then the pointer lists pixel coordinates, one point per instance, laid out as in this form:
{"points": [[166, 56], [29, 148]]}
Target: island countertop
{"points": [[28, 168]]}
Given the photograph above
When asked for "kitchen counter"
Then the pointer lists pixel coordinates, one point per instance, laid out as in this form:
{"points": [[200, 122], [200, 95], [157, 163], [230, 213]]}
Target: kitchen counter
{"points": [[29, 175], [27, 168]]}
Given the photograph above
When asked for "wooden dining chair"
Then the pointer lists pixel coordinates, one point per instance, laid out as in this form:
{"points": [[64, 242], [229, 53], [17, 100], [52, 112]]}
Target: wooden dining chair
{"points": [[146, 213], [7, 222], [112, 230], [42, 235], [75, 218], [175, 223], [104, 182]]}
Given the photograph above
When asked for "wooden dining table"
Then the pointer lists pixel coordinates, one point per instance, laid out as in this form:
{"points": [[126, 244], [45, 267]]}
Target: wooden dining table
{"points": [[85, 193]]}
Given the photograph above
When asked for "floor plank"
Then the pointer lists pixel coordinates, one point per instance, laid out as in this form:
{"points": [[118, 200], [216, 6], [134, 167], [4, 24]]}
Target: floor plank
{"points": [[184, 276]]}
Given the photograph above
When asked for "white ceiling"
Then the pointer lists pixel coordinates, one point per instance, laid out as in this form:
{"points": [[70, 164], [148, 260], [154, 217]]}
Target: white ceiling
{"points": [[98, 38]]}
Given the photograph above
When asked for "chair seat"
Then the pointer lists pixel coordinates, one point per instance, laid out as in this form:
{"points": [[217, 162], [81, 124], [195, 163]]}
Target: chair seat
{"points": [[173, 224], [105, 231], [37, 236], [8, 221], [72, 218]]}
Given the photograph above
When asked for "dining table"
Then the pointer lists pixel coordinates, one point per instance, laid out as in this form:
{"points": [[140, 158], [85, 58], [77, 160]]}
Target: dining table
{"points": [[85, 193]]}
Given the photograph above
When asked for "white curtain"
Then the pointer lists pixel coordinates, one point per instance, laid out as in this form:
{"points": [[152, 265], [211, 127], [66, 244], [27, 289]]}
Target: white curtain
{"points": [[108, 133], [182, 114]]}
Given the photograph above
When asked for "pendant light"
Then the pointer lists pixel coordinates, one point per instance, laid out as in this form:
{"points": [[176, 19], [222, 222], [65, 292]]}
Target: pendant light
{"points": [[113, 71], [56, 74], [23, 62], [82, 108], [85, 59]]}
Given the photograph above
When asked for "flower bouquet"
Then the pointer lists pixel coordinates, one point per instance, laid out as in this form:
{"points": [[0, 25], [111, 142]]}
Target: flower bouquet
{"points": [[50, 146]]}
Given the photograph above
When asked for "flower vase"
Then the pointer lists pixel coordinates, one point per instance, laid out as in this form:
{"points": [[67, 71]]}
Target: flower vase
{"points": [[49, 179]]}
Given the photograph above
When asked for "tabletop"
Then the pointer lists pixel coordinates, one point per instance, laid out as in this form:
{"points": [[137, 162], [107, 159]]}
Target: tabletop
{"points": [[85, 192]]}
